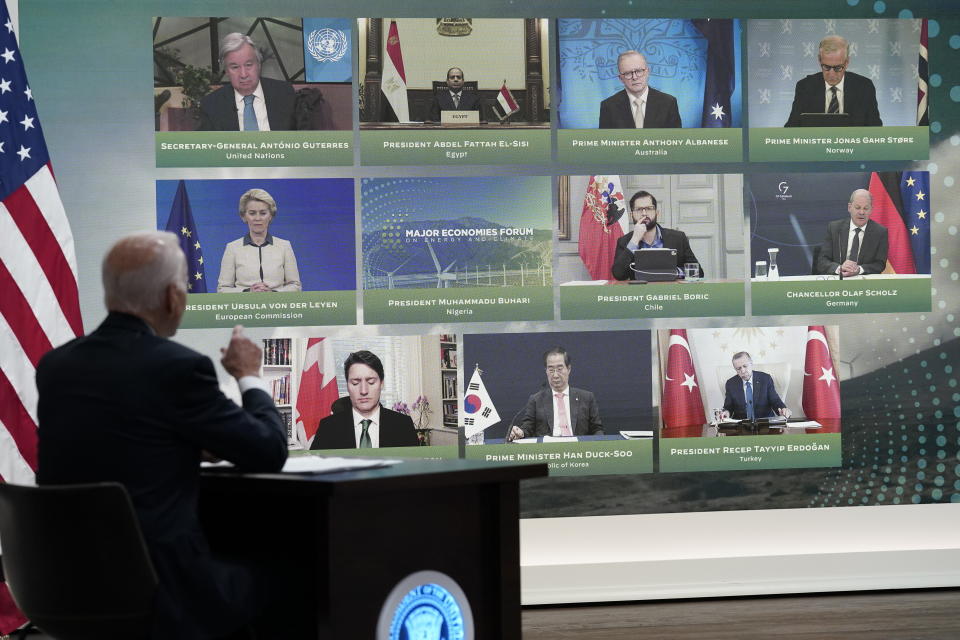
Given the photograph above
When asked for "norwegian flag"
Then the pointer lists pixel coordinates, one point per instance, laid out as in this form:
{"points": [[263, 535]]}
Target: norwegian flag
{"points": [[602, 221], [682, 407], [821, 388], [923, 77], [318, 389]]}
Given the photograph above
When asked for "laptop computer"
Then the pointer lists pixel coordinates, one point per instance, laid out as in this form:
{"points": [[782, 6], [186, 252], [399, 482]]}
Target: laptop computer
{"points": [[655, 265]]}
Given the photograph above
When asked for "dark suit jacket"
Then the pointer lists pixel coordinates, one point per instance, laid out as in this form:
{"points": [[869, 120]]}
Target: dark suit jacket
{"points": [[336, 431], [443, 101], [661, 112], [537, 417], [218, 110], [122, 404], [873, 247], [672, 239], [766, 401], [860, 100]]}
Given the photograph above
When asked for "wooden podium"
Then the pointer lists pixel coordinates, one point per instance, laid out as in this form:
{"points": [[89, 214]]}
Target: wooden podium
{"points": [[339, 543]]}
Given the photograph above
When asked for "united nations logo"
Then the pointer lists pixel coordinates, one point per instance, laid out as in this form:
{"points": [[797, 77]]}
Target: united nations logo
{"points": [[426, 605], [327, 45]]}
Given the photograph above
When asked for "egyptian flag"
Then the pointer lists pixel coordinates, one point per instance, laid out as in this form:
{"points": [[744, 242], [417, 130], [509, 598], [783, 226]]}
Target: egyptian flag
{"points": [[889, 210], [923, 75], [506, 101], [683, 415], [821, 388], [394, 82], [602, 221], [721, 75]]}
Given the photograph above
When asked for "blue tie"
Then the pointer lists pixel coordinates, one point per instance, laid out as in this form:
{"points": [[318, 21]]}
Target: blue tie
{"points": [[249, 117], [749, 398]]}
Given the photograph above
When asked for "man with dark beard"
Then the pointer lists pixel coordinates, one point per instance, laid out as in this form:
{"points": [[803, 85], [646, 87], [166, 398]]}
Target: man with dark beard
{"points": [[647, 234]]}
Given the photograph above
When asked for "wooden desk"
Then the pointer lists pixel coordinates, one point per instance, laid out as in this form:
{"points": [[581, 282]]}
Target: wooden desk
{"points": [[348, 538]]}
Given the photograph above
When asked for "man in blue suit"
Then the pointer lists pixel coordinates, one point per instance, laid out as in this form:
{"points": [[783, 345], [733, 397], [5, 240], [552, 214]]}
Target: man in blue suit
{"points": [[751, 394]]}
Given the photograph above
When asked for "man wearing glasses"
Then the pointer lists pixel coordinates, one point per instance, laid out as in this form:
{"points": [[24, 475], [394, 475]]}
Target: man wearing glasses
{"points": [[647, 234], [559, 409], [638, 106], [836, 90]]}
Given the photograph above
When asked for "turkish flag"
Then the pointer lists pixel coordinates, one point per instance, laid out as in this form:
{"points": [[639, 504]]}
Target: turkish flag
{"points": [[821, 388], [683, 415], [318, 388]]}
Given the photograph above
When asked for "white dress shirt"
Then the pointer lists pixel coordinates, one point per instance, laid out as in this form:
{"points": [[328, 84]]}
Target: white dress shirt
{"points": [[373, 430], [556, 410], [829, 96], [259, 108]]}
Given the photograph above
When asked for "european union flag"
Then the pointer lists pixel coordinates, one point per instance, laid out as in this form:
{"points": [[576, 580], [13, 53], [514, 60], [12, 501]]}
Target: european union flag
{"points": [[915, 191], [719, 84], [326, 49], [181, 223]]}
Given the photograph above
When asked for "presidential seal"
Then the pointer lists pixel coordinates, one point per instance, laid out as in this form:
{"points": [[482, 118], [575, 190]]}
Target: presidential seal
{"points": [[327, 45], [426, 605]]}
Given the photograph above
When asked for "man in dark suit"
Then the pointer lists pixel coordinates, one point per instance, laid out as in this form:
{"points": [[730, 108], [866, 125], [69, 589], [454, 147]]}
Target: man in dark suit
{"points": [[126, 404], [638, 106], [750, 394], [250, 103], [836, 90], [367, 424], [560, 410], [455, 98], [647, 234], [854, 246]]}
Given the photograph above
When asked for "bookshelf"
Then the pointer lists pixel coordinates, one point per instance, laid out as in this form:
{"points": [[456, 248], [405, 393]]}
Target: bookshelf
{"points": [[277, 373], [450, 397]]}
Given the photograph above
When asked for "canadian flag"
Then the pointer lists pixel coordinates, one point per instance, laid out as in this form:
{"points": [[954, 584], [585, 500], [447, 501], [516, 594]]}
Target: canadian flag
{"points": [[318, 389], [683, 415], [821, 388]]}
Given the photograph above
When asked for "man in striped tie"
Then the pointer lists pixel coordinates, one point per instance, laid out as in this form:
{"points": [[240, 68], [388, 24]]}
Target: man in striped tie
{"points": [[836, 90]]}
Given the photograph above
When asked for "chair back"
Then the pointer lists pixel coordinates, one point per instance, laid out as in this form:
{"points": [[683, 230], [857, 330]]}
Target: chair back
{"points": [[468, 85], [75, 560]]}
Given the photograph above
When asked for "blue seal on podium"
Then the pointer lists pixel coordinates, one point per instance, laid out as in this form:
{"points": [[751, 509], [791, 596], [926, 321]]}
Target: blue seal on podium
{"points": [[426, 605]]}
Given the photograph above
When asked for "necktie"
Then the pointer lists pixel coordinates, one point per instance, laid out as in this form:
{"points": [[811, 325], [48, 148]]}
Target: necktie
{"points": [[365, 442], [749, 399], [562, 416], [249, 116], [456, 101], [638, 109], [855, 247], [834, 103]]}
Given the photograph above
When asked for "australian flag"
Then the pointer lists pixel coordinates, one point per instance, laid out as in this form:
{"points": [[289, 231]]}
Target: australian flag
{"points": [[181, 223], [718, 86]]}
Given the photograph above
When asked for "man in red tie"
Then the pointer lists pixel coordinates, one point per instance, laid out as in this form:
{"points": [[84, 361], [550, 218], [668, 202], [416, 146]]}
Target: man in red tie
{"points": [[559, 410]]}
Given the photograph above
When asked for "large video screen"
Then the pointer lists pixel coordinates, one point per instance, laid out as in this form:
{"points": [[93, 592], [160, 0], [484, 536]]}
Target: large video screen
{"points": [[695, 257]]}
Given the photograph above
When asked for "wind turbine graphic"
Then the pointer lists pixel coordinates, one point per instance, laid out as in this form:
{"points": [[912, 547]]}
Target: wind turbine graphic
{"points": [[443, 276], [390, 274]]}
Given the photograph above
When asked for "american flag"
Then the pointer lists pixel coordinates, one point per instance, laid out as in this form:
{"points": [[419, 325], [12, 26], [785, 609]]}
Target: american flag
{"points": [[39, 306]]}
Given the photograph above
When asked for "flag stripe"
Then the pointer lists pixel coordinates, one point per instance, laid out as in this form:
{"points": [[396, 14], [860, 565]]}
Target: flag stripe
{"points": [[13, 468], [33, 226], [21, 261], [393, 50], [43, 188], [15, 311], [18, 368], [19, 425]]}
